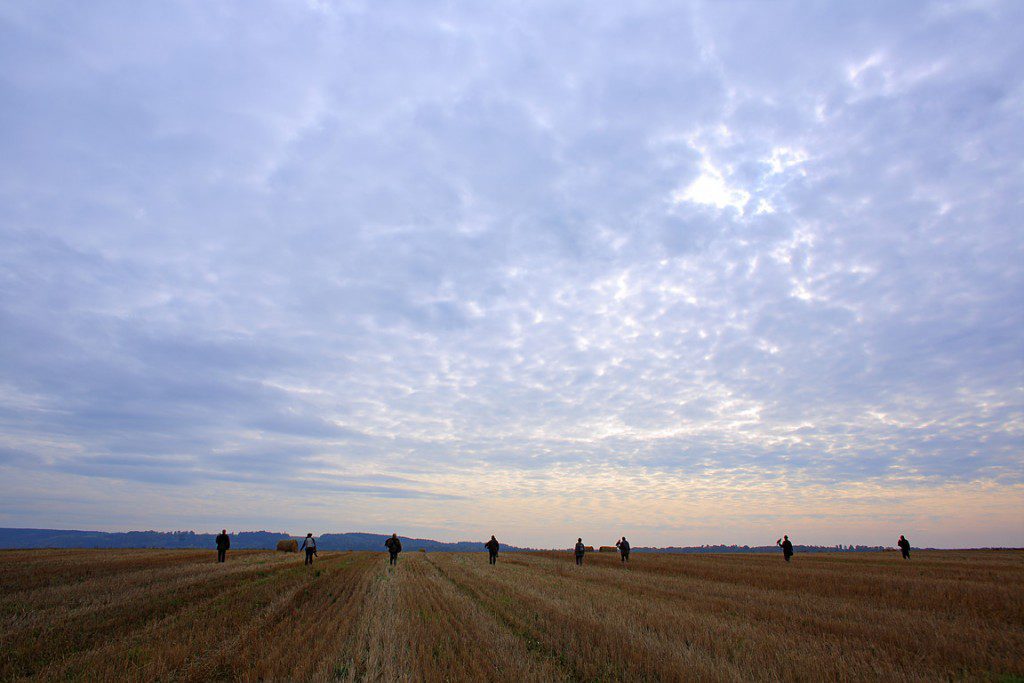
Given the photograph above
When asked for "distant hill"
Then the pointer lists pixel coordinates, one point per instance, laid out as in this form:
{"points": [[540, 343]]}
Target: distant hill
{"points": [[260, 540]]}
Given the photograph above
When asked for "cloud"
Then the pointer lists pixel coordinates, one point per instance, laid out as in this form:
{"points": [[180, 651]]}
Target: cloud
{"points": [[449, 267]]}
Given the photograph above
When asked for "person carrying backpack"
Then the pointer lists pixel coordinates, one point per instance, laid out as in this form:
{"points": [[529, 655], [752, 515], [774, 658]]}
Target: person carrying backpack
{"points": [[309, 544], [394, 547], [492, 550], [580, 550]]}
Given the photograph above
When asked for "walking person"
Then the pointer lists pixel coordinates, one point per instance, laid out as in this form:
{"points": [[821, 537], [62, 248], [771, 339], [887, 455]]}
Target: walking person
{"points": [[787, 547], [394, 547], [492, 550], [580, 551], [224, 542], [309, 544], [904, 545], [623, 546]]}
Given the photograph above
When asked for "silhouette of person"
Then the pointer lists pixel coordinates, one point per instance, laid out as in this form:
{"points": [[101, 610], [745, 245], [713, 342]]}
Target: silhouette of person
{"points": [[224, 542], [580, 550], [623, 546], [309, 544], [904, 545], [787, 547], [492, 550], [394, 547]]}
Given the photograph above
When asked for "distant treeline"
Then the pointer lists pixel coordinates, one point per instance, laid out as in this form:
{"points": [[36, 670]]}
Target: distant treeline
{"points": [[245, 540], [267, 540]]}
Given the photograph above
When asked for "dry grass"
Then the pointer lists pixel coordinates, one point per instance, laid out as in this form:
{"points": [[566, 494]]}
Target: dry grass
{"points": [[178, 615]]}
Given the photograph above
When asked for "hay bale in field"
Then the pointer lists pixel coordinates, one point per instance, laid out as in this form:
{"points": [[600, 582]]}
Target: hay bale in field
{"points": [[607, 549], [288, 546], [589, 548]]}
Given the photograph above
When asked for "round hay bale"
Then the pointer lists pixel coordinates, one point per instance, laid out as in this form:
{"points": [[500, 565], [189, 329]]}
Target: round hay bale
{"points": [[288, 546]]}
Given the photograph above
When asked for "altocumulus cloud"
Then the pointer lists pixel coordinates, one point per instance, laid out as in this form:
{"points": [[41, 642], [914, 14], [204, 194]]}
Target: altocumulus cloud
{"points": [[688, 272]]}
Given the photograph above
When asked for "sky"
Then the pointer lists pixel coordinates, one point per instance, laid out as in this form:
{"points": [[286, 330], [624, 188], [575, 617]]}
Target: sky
{"points": [[692, 273]]}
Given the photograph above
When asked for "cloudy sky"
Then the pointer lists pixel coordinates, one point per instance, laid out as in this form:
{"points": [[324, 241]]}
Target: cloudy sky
{"points": [[693, 273]]}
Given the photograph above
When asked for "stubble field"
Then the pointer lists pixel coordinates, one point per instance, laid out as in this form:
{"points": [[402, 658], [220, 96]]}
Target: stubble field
{"points": [[178, 615]]}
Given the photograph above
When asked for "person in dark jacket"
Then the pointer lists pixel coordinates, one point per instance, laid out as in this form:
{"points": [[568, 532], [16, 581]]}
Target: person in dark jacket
{"points": [[580, 551], [787, 547], [492, 550], [394, 547], [623, 546], [309, 544], [223, 543], [904, 545]]}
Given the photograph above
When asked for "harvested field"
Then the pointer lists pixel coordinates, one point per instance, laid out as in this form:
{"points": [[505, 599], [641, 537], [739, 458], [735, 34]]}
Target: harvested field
{"points": [[172, 614]]}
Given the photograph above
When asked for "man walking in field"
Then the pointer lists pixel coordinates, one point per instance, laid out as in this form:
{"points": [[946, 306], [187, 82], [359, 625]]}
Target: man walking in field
{"points": [[904, 545], [224, 542], [492, 550], [623, 546], [310, 546], [787, 547], [580, 551], [394, 547]]}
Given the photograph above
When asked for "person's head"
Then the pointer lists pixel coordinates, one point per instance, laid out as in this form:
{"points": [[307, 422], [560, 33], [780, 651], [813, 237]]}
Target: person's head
{"points": [[785, 537], [579, 540], [309, 535], [224, 531], [494, 539], [901, 537], [394, 535]]}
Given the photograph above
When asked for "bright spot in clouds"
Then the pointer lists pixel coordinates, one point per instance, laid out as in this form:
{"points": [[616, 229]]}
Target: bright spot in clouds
{"points": [[533, 270], [710, 188]]}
